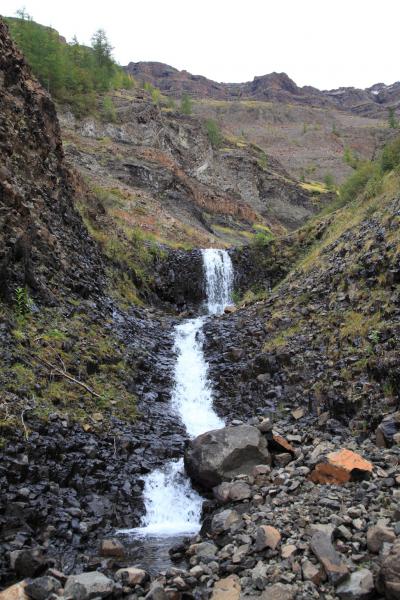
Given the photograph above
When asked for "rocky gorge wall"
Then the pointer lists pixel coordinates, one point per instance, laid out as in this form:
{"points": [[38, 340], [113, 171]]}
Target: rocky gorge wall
{"points": [[43, 241]]}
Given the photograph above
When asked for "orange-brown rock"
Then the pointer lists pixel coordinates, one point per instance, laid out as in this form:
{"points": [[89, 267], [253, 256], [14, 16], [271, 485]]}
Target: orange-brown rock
{"points": [[15, 592], [341, 466], [277, 443]]}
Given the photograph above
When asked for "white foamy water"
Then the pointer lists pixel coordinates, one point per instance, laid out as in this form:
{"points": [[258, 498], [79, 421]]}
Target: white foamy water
{"points": [[218, 273], [172, 505], [192, 396]]}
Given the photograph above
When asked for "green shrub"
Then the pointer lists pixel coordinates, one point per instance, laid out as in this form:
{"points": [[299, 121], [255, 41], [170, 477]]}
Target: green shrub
{"points": [[391, 155], [214, 133], [109, 112], [350, 158], [72, 73], [357, 182], [392, 120], [262, 239], [329, 181], [22, 301], [186, 104]]}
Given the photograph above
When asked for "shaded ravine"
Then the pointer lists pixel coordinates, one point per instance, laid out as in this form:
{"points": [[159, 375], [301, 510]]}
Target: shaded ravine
{"points": [[173, 507]]}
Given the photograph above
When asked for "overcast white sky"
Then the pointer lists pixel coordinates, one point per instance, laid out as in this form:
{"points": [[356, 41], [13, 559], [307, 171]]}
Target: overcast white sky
{"points": [[325, 43]]}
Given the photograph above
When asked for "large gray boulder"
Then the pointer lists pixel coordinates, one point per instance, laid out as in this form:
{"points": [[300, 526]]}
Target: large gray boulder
{"points": [[220, 455]]}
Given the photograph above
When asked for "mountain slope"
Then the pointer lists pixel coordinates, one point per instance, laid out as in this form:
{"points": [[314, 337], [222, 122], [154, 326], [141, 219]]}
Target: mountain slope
{"points": [[173, 182], [327, 337], [307, 130], [274, 87]]}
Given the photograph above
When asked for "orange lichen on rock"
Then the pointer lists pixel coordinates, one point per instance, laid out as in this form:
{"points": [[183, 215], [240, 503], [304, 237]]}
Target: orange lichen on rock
{"points": [[326, 473], [348, 460], [341, 466]]}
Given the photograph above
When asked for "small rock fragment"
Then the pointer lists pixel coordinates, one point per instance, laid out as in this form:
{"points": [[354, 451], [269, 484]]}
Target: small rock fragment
{"points": [[112, 547], [42, 587], [357, 586], [227, 589], [88, 585], [333, 563], [267, 537], [131, 576], [377, 536]]}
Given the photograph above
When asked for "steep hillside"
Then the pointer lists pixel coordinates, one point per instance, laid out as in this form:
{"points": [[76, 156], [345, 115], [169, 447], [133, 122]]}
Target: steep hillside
{"points": [[311, 142], [159, 169], [304, 128], [43, 242], [327, 336]]}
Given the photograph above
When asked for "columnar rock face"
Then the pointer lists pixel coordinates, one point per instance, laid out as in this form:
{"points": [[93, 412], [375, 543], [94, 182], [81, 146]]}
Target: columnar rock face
{"points": [[219, 455], [42, 239], [180, 278]]}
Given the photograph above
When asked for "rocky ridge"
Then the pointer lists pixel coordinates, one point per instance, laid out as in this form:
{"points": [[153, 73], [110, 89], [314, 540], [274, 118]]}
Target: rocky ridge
{"points": [[326, 336], [275, 87]]}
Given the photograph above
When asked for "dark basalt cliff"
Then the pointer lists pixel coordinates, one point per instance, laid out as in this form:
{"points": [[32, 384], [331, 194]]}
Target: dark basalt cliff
{"points": [[42, 239]]}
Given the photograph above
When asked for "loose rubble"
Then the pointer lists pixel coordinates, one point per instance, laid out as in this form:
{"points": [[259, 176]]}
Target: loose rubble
{"points": [[270, 533]]}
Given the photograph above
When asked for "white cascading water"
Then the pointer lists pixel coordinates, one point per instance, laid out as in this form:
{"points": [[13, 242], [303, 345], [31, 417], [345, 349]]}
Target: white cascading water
{"points": [[173, 507]]}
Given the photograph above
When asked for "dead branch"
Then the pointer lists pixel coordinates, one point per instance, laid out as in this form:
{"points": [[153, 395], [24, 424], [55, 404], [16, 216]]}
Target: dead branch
{"points": [[69, 377]]}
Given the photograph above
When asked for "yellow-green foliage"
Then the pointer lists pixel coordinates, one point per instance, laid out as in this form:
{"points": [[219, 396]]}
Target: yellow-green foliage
{"points": [[315, 187], [357, 324], [281, 338], [52, 345]]}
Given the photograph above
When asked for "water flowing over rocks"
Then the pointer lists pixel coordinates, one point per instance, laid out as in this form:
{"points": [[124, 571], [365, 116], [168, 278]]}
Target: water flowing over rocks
{"points": [[275, 372]]}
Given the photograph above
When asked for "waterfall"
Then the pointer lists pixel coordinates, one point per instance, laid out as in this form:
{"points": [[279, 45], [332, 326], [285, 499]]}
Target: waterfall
{"points": [[218, 273], [173, 507]]}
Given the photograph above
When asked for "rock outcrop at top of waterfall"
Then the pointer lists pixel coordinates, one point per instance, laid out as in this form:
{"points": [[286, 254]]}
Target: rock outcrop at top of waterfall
{"points": [[43, 242], [221, 454]]}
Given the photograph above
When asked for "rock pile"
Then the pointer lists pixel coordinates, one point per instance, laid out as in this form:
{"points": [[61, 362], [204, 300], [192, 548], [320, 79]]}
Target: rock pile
{"points": [[274, 531]]}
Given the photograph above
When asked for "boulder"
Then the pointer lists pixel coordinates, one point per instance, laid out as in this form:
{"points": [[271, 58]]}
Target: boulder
{"points": [[222, 454], [387, 430], [340, 467], [15, 592], [389, 575], [358, 586], [88, 585], [30, 563]]}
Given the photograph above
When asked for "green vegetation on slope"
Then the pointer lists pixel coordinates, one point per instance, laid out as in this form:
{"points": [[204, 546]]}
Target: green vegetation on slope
{"points": [[69, 364], [72, 73], [368, 175]]}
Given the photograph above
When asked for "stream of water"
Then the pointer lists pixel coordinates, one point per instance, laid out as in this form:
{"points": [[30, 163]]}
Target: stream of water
{"points": [[173, 507]]}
